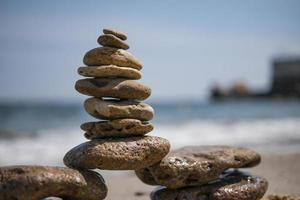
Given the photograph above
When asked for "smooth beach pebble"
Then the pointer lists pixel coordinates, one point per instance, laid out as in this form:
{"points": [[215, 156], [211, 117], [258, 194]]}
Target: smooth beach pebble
{"points": [[109, 71], [109, 40], [111, 56], [231, 186], [118, 154], [118, 109], [194, 165], [115, 88], [116, 128], [116, 33], [38, 182]]}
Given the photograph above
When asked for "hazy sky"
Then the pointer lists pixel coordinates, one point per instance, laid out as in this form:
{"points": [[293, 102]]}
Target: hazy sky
{"points": [[184, 46]]}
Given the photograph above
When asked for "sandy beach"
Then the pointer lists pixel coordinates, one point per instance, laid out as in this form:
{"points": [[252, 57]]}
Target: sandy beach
{"points": [[282, 172]]}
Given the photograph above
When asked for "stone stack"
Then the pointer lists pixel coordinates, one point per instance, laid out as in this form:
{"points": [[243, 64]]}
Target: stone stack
{"points": [[205, 173], [118, 141]]}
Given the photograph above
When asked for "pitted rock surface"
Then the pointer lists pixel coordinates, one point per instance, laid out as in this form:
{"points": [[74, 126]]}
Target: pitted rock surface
{"points": [[109, 40], [109, 71], [118, 154], [111, 56], [113, 87], [116, 128], [116, 33], [118, 109], [38, 182], [195, 165], [231, 186]]}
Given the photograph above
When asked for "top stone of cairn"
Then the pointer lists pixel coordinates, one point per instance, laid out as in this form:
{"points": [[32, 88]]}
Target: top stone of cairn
{"points": [[116, 33]]}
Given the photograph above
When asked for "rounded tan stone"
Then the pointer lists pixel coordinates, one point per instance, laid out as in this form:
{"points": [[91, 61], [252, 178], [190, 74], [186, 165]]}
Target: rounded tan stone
{"points": [[115, 88], [231, 186], [118, 109], [111, 56], [109, 40], [39, 182], [116, 33], [109, 71], [116, 128], [118, 154], [195, 165]]}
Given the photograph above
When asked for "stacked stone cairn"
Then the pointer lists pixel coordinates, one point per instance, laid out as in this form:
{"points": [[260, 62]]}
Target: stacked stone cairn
{"points": [[118, 142], [205, 173]]}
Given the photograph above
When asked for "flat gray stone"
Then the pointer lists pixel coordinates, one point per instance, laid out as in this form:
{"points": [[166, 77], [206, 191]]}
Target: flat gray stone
{"points": [[118, 109], [116, 128], [38, 182], [113, 87], [118, 154], [231, 186], [196, 165]]}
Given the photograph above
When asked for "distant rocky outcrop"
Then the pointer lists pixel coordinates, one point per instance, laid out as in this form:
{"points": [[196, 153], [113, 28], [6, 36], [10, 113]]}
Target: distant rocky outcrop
{"points": [[285, 83]]}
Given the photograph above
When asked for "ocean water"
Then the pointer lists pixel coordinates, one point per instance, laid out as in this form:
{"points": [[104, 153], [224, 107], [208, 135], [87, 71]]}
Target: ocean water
{"points": [[41, 133]]}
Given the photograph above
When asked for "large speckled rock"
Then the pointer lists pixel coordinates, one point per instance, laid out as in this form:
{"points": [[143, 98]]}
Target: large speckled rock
{"points": [[231, 186], [38, 182], [116, 128], [280, 197], [118, 109], [116, 33], [109, 40], [116, 88], [109, 71], [194, 165], [111, 56], [118, 154]]}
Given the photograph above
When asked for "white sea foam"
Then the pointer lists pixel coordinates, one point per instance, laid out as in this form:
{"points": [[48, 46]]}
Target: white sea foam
{"points": [[48, 147]]}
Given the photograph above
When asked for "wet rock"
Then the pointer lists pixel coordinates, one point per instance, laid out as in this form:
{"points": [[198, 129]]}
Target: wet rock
{"points": [[232, 185], [195, 165]]}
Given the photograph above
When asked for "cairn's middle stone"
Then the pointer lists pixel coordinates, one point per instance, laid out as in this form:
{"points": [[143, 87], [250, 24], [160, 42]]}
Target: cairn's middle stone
{"points": [[111, 56], [118, 109], [113, 87], [116, 128]]}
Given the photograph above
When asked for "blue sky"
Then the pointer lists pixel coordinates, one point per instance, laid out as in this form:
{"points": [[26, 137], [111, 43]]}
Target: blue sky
{"points": [[184, 46]]}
